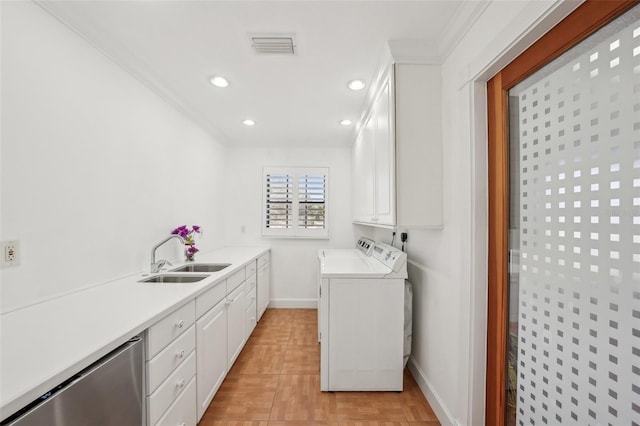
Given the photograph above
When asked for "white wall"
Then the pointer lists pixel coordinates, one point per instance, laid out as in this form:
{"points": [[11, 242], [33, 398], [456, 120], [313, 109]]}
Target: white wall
{"points": [[448, 266], [294, 265], [96, 168]]}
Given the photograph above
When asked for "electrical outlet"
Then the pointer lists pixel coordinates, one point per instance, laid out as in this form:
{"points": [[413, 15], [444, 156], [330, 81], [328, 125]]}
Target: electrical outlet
{"points": [[10, 252]]}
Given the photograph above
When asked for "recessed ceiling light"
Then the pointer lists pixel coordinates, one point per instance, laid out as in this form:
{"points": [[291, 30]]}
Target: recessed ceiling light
{"points": [[356, 85], [346, 122], [219, 81], [248, 122]]}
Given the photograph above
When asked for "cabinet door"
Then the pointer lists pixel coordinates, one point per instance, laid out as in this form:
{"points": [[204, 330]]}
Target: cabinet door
{"points": [[357, 168], [211, 354], [236, 309], [250, 306], [368, 169], [363, 173], [384, 157], [263, 290]]}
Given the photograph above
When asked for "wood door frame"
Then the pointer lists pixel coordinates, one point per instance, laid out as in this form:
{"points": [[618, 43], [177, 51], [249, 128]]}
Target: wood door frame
{"points": [[585, 20]]}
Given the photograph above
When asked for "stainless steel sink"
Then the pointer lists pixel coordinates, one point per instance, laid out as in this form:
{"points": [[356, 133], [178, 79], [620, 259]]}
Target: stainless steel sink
{"points": [[201, 267], [174, 279]]}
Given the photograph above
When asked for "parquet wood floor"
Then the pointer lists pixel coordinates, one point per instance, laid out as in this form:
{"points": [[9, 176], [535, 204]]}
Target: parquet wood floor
{"points": [[276, 382]]}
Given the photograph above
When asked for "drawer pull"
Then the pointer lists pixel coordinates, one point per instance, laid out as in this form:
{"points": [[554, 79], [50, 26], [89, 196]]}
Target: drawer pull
{"points": [[180, 354], [182, 424], [180, 324], [180, 384], [253, 298]]}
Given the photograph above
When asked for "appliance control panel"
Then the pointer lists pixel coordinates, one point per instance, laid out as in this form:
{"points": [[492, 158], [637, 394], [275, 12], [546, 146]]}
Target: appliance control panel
{"points": [[390, 256], [365, 245]]}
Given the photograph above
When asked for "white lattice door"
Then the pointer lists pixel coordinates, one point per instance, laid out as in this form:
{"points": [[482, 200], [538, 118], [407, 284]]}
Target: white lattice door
{"points": [[574, 236]]}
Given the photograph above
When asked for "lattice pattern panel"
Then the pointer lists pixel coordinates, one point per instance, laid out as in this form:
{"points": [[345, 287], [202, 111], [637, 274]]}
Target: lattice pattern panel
{"points": [[579, 300]]}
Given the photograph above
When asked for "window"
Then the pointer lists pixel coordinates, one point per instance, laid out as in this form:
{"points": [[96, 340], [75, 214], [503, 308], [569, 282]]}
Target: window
{"points": [[295, 202]]}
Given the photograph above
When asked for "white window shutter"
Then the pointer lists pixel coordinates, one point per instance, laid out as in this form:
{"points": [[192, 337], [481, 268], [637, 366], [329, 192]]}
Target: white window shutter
{"points": [[295, 202]]}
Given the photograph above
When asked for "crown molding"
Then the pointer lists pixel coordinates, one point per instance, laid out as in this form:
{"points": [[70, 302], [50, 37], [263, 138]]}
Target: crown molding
{"points": [[416, 51], [463, 19]]}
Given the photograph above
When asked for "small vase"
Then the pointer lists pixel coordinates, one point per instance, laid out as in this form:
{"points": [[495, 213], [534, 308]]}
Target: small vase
{"points": [[190, 252]]}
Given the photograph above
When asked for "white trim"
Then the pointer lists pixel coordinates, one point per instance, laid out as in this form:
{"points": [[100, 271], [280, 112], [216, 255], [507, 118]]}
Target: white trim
{"points": [[436, 403], [293, 303], [488, 62], [477, 72], [463, 19], [478, 261]]}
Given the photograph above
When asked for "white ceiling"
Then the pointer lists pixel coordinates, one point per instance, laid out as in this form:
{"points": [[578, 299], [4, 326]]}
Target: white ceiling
{"points": [[176, 46]]}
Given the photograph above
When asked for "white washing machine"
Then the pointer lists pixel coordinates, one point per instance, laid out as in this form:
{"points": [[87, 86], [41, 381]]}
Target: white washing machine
{"points": [[361, 314], [364, 247]]}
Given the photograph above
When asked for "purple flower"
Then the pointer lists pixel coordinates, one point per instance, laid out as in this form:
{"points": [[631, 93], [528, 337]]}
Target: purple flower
{"points": [[180, 230], [187, 234]]}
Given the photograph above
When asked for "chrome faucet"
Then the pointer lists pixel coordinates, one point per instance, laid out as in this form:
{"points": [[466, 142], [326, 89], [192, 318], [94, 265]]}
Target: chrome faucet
{"points": [[155, 266]]}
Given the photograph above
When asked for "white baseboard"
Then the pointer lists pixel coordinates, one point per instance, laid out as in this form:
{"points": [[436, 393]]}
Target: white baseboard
{"points": [[293, 303], [439, 408]]}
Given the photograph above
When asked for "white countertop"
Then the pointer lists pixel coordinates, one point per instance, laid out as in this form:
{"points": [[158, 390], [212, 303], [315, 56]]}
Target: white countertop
{"points": [[44, 344]]}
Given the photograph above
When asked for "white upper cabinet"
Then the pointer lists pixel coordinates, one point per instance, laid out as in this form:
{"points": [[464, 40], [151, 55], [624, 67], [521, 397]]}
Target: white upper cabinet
{"points": [[397, 154]]}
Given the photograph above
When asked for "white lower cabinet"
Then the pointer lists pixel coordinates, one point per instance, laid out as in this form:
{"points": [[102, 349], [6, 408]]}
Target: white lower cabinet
{"points": [[235, 323], [263, 285], [191, 350], [211, 354], [181, 412], [163, 364], [250, 312], [250, 298], [169, 391], [171, 369]]}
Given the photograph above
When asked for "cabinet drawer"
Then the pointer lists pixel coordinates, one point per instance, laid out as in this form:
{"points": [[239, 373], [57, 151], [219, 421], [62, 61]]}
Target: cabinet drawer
{"points": [[169, 358], [168, 391], [164, 331], [250, 269], [182, 411], [250, 296], [235, 280], [251, 283], [250, 319], [264, 259], [210, 298]]}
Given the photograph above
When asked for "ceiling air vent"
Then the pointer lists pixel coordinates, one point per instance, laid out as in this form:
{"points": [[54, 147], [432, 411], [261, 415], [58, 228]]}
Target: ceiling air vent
{"points": [[273, 44]]}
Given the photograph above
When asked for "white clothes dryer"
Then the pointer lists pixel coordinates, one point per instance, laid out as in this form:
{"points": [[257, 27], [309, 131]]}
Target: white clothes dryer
{"points": [[362, 321], [364, 247]]}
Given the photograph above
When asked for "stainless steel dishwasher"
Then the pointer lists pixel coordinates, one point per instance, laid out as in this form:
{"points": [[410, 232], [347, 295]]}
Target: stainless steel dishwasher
{"points": [[107, 393]]}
